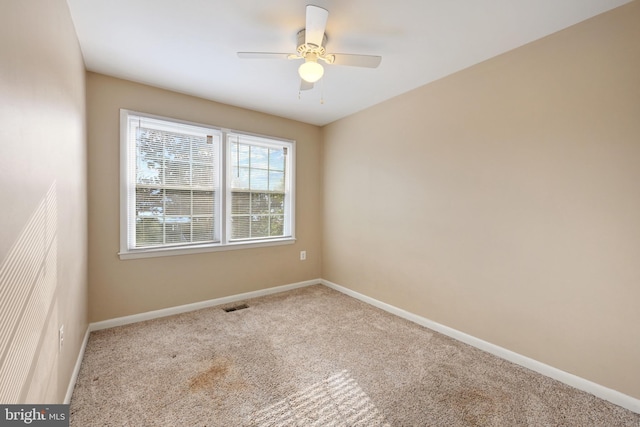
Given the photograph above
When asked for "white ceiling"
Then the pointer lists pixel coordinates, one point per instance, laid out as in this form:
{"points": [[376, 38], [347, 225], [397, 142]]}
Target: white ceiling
{"points": [[190, 46]]}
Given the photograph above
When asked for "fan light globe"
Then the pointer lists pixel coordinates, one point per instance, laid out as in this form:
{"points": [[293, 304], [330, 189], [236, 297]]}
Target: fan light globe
{"points": [[311, 71]]}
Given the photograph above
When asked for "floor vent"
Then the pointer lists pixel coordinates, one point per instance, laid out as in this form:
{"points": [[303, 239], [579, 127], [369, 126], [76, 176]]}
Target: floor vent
{"points": [[236, 308]]}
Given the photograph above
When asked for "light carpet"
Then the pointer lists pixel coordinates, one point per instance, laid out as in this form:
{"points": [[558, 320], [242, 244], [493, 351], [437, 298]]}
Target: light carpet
{"points": [[313, 357]]}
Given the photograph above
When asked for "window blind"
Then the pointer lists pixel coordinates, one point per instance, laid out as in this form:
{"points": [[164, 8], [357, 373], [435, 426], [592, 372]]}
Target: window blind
{"points": [[174, 193], [259, 196], [190, 188]]}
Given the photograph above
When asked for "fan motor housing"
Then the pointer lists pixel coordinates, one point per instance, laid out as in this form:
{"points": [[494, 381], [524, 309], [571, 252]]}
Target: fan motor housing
{"points": [[304, 48]]}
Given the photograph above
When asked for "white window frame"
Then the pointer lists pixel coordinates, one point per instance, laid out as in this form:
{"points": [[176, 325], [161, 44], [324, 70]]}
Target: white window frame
{"points": [[223, 216]]}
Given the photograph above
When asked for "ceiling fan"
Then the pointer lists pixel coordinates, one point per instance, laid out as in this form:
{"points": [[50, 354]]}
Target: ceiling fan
{"points": [[311, 48]]}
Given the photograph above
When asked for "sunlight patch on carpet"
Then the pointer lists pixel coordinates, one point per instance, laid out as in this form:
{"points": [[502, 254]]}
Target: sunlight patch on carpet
{"points": [[335, 401]]}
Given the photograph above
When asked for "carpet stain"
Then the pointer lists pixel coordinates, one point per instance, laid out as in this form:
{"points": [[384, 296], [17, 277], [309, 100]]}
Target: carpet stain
{"points": [[211, 377], [219, 376], [476, 407]]}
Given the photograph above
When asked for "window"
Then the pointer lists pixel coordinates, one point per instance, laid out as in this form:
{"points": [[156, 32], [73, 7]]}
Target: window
{"points": [[191, 188]]}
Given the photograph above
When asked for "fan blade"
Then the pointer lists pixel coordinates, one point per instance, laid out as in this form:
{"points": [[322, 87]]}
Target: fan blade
{"points": [[305, 85], [316, 24], [262, 55], [368, 61]]}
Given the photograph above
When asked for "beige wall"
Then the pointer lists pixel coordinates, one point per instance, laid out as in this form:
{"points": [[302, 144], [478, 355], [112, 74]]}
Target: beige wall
{"points": [[119, 288], [504, 200], [501, 201], [43, 261]]}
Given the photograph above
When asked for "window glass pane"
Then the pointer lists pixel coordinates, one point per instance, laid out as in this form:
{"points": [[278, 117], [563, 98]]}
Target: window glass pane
{"points": [[259, 157], [277, 204], [259, 203], [177, 173], [240, 203], [177, 147], [181, 171], [203, 175], [276, 181], [265, 178], [148, 156], [177, 202], [240, 178], [277, 225], [203, 202], [276, 159], [240, 227], [148, 231], [177, 229], [259, 179], [240, 155], [149, 171], [259, 226], [202, 150], [149, 144], [149, 202], [263, 174], [202, 229]]}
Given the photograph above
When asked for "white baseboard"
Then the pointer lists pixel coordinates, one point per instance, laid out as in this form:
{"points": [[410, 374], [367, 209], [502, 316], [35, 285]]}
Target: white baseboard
{"points": [[597, 390], [76, 368], [120, 321], [169, 312]]}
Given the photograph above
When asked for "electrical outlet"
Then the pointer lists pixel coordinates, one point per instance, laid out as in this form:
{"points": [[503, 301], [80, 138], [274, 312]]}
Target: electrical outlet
{"points": [[60, 338], [303, 255]]}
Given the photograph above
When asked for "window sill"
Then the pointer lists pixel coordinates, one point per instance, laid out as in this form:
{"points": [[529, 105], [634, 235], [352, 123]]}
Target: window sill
{"points": [[175, 251]]}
